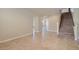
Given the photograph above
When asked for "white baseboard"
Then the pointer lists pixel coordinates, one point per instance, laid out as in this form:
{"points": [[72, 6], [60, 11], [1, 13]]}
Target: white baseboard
{"points": [[51, 31], [13, 38], [37, 31]]}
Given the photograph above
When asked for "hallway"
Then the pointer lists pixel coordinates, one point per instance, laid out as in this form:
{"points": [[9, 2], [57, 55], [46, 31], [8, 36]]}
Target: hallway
{"points": [[28, 31], [66, 27]]}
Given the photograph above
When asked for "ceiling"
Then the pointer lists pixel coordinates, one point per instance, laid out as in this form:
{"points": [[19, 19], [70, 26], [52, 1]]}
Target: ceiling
{"points": [[45, 11]]}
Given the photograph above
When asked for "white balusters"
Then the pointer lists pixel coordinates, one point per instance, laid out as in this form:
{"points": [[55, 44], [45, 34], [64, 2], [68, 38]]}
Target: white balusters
{"points": [[75, 32]]}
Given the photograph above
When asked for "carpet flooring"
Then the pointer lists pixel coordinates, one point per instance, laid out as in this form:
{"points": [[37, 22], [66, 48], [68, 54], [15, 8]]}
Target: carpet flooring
{"points": [[66, 24]]}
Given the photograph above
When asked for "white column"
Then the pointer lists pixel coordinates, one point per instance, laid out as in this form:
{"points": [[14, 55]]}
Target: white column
{"points": [[57, 28], [44, 27], [35, 26], [33, 33]]}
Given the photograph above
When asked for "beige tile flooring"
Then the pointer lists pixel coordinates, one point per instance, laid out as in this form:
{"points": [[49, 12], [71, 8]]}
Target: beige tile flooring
{"points": [[51, 42]]}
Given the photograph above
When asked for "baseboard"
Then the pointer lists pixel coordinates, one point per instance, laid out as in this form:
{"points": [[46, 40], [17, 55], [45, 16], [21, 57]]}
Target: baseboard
{"points": [[51, 31], [37, 31], [13, 38]]}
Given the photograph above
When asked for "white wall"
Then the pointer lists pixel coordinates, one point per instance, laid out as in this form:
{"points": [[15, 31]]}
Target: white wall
{"points": [[15, 22]]}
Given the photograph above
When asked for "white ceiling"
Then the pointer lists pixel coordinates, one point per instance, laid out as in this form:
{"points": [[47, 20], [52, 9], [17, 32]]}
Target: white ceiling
{"points": [[45, 11]]}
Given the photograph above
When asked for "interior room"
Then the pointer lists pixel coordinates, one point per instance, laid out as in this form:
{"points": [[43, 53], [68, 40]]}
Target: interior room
{"points": [[39, 28]]}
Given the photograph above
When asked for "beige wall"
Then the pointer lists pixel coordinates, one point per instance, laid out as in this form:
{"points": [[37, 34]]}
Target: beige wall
{"points": [[52, 22], [41, 12], [45, 11], [0, 29], [14, 22]]}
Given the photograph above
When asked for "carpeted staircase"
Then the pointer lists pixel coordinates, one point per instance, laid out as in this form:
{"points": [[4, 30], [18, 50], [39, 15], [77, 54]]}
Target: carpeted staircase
{"points": [[66, 27]]}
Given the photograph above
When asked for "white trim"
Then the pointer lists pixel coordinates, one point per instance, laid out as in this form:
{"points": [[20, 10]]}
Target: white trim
{"points": [[52, 31], [37, 31], [58, 25], [15, 37], [57, 28], [75, 32]]}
